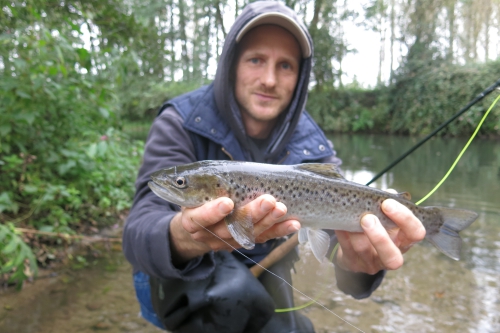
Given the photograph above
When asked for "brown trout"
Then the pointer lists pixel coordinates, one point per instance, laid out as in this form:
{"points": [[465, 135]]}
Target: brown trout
{"points": [[315, 194]]}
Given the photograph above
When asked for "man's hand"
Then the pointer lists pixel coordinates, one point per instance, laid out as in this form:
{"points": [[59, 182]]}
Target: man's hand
{"points": [[189, 237], [377, 248]]}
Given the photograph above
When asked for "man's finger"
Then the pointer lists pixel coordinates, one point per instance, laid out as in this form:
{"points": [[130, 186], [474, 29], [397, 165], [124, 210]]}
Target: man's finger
{"points": [[264, 222], [196, 219], [279, 230], [388, 252], [410, 226]]}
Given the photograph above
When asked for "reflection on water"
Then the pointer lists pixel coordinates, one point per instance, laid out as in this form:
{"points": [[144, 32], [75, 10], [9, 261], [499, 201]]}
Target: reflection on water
{"points": [[430, 293]]}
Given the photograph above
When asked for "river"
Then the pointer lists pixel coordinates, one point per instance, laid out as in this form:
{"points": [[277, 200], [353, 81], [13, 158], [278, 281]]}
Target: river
{"points": [[430, 293]]}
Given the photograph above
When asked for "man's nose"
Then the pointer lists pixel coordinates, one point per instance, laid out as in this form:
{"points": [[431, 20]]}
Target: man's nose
{"points": [[268, 78]]}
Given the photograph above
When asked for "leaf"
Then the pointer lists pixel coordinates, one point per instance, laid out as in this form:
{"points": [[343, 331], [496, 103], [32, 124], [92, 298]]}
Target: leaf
{"points": [[102, 147], [92, 150], [104, 112], [30, 188], [4, 231], [28, 117], [22, 94], [12, 246], [63, 168], [46, 228], [4, 129]]}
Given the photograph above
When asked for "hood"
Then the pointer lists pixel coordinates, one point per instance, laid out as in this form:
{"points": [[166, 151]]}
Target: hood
{"points": [[224, 89]]}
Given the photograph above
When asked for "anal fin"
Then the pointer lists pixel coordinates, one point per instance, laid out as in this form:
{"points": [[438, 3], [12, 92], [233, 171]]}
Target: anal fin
{"points": [[319, 241]]}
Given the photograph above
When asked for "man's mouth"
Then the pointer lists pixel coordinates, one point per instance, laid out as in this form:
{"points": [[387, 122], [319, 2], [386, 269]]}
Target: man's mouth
{"points": [[266, 96]]}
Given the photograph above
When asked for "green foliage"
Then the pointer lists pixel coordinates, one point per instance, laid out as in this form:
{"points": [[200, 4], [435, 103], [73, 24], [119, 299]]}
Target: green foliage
{"points": [[422, 101], [350, 109], [16, 258], [62, 163]]}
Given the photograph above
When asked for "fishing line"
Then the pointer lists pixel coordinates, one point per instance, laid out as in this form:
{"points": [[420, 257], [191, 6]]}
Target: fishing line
{"points": [[279, 277], [461, 153]]}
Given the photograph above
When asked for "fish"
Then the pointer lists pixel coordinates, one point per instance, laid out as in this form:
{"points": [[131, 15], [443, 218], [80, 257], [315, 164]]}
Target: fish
{"points": [[315, 194]]}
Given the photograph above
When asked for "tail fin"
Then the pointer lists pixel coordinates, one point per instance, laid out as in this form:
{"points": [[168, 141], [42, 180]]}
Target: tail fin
{"points": [[446, 237]]}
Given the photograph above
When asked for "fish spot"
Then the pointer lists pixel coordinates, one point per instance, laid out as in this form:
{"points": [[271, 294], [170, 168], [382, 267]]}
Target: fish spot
{"points": [[293, 196], [286, 187], [231, 181], [218, 185], [335, 190], [272, 192], [206, 199], [276, 180], [239, 178], [237, 194], [256, 178], [300, 194], [262, 185], [307, 191]]}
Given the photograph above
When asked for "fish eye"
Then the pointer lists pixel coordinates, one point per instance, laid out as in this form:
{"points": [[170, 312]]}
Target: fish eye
{"points": [[180, 182]]}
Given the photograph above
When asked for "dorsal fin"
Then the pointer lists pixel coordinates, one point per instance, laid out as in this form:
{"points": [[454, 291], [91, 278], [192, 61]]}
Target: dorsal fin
{"points": [[324, 169], [405, 195]]}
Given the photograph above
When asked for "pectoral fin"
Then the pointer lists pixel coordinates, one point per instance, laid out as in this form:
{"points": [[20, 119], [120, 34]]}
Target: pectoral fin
{"points": [[319, 241], [240, 226]]}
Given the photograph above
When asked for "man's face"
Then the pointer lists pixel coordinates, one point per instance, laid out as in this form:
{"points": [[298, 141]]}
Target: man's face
{"points": [[267, 70]]}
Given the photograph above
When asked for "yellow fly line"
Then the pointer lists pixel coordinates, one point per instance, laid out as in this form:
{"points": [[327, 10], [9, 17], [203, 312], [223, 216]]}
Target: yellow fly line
{"points": [[300, 307]]}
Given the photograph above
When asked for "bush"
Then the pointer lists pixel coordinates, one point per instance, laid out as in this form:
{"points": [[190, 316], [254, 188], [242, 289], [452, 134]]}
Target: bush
{"points": [[349, 109], [419, 103]]}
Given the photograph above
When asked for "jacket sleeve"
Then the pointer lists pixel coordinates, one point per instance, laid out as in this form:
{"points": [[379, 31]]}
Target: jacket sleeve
{"points": [[358, 285], [146, 238]]}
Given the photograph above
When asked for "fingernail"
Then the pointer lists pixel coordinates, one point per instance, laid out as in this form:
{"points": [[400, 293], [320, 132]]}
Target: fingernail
{"points": [[277, 213], [368, 221], [224, 208], [266, 206], [389, 205], [293, 228]]}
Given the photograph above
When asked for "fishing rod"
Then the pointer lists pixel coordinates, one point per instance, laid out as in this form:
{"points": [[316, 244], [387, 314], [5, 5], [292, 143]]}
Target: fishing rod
{"points": [[479, 97]]}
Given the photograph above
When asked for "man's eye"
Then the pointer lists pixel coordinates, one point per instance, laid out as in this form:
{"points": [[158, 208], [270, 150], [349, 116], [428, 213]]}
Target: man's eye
{"points": [[286, 65], [254, 61]]}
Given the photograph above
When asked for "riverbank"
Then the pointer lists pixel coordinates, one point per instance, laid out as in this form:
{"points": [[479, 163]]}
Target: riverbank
{"points": [[99, 296]]}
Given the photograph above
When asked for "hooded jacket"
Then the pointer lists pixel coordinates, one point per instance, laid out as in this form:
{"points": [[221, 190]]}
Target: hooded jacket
{"points": [[206, 124]]}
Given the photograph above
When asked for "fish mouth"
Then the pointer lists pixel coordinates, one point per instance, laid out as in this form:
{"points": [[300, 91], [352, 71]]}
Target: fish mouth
{"points": [[166, 194]]}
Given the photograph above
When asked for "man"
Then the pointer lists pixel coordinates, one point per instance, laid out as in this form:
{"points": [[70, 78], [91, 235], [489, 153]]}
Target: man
{"points": [[254, 111]]}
